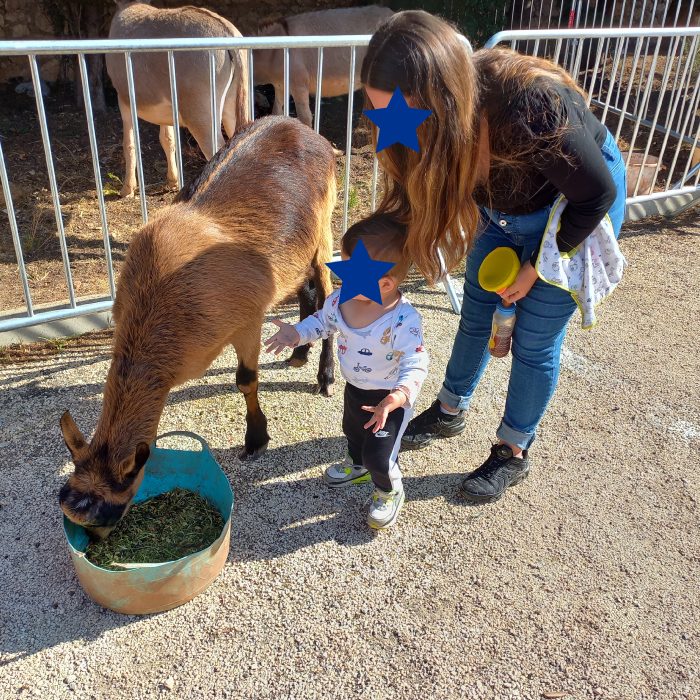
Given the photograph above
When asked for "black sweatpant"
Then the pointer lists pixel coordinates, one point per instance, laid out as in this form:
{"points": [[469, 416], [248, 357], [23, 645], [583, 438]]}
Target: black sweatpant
{"points": [[376, 452]]}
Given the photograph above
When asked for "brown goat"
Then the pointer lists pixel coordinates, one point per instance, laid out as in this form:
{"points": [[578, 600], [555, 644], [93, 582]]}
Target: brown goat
{"points": [[250, 231]]}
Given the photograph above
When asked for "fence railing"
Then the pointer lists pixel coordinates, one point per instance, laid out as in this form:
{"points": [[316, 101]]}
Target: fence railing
{"points": [[604, 14], [643, 84], [32, 49], [672, 51]]}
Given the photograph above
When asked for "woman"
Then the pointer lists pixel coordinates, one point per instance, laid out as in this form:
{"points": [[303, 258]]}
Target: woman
{"points": [[508, 134]]}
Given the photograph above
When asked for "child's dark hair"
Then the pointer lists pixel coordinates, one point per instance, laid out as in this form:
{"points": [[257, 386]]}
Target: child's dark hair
{"points": [[385, 239]]}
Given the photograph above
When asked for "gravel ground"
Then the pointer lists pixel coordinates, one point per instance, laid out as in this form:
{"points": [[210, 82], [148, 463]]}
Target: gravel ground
{"points": [[582, 581]]}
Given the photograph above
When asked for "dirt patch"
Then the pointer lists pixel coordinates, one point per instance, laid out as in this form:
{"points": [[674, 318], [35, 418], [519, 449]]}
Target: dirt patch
{"points": [[22, 353]]}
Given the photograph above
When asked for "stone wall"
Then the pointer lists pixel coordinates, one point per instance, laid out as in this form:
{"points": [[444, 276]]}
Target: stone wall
{"points": [[24, 19]]}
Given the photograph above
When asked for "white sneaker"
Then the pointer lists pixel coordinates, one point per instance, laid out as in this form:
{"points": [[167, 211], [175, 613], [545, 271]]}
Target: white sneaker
{"points": [[384, 508], [346, 473]]}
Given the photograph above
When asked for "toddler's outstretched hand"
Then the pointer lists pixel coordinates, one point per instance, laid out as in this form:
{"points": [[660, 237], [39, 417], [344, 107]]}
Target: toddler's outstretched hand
{"points": [[383, 409], [286, 337]]}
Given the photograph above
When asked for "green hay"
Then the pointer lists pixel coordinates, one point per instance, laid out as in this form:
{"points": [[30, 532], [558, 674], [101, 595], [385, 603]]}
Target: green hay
{"points": [[163, 528]]}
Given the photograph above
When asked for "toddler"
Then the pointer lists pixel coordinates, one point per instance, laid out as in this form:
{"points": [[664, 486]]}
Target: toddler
{"points": [[381, 355]]}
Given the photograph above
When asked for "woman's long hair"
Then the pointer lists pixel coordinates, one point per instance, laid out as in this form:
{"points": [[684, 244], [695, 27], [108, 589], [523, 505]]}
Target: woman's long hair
{"points": [[431, 191], [522, 97]]}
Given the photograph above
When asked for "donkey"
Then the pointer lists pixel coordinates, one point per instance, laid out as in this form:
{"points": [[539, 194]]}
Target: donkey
{"points": [[252, 229], [268, 64], [138, 20]]}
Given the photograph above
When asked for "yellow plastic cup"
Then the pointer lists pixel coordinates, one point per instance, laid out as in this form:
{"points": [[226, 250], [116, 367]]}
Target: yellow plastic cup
{"points": [[499, 269]]}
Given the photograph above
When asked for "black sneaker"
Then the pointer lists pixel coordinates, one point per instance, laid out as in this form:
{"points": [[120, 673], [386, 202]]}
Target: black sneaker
{"points": [[500, 471], [429, 425]]}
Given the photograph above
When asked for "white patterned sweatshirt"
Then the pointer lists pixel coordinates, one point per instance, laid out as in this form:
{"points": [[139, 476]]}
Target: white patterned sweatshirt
{"points": [[387, 354]]}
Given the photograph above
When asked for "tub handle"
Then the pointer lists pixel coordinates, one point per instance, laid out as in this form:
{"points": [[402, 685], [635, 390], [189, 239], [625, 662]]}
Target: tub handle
{"points": [[185, 433]]}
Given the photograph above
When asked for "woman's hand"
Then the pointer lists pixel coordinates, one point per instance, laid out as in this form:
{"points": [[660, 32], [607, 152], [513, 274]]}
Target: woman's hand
{"points": [[522, 285], [286, 337], [395, 400]]}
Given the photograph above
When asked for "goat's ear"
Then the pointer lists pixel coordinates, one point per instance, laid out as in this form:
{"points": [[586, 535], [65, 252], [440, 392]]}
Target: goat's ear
{"points": [[141, 455], [72, 435]]}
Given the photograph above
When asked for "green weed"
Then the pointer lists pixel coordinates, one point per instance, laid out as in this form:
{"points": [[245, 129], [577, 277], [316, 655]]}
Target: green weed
{"points": [[109, 188], [33, 241], [60, 343]]}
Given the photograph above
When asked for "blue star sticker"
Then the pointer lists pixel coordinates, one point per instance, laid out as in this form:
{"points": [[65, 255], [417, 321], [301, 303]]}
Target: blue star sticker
{"points": [[398, 122], [360, 275]]}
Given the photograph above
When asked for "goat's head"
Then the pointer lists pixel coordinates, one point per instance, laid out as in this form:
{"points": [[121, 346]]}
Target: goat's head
{"points": [[98, 494]]}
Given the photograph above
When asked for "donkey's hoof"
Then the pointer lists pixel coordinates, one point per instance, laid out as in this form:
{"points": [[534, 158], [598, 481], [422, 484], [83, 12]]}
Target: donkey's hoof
{"points": [[253, 453], [297, 361], [324, 390]]}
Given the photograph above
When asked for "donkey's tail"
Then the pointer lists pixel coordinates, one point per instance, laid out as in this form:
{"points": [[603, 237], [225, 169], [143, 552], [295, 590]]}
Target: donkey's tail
{"points": [[239, 63]]}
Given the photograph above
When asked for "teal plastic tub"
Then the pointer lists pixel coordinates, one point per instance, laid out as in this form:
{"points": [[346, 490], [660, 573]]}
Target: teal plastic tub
{"points": [[150, 588]]}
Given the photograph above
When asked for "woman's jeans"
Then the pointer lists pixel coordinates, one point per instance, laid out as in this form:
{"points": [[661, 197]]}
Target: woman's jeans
{"points": [[541, 319]]}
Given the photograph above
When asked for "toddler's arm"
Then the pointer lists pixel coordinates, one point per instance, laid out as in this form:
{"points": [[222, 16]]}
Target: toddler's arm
{"points": [[314, 327], [413, 362], [320, 324]]}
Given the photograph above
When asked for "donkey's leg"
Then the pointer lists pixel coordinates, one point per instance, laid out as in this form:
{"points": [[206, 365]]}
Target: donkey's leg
{"points": [[278, 107], [300, 93], [247, 347], [129, 184], [167, 141], [307, 305], [229, 111], [201, 130]]}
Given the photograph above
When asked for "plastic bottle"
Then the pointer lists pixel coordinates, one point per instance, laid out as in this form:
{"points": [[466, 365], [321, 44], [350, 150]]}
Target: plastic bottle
{"points": [[502, 329]]}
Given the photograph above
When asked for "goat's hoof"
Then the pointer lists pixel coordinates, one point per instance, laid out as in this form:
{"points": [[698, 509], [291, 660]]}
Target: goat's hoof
{"points": [[296, 361], [127, 194], [324, 389], [253, 453]]}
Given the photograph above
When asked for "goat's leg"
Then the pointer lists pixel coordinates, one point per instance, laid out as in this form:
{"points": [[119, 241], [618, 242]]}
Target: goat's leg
{"points": [[129, 184], [324, 287], [167, 141], [307, 305], [248, 350]]}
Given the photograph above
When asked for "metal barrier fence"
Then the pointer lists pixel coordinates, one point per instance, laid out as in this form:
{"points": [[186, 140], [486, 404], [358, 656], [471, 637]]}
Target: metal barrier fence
{"points": [[589, 14], [619, 69], [609, 48], [32, 49]]}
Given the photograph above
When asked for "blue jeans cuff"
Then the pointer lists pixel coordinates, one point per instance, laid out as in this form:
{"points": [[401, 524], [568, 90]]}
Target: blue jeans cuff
{"points": [[452, 400], [514, 437]]}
